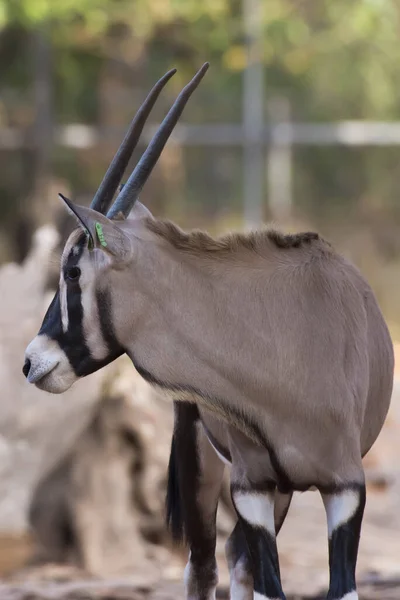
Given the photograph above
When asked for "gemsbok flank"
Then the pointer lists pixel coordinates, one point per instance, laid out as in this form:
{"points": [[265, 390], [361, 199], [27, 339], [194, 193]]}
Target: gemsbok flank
{"points": [[271, 346]]}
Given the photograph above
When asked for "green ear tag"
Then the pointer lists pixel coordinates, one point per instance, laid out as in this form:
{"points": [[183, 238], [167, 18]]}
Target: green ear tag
{"points": [[100, 234]]}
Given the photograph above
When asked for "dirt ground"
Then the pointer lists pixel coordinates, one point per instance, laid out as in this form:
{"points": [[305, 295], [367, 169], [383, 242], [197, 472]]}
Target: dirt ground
{"points": [[81, 589], [302, 547], [303, 554]]}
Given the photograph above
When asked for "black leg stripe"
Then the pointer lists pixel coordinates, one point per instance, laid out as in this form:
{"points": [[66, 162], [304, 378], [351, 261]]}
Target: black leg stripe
{"points": [[263, 554], [343, 550]]}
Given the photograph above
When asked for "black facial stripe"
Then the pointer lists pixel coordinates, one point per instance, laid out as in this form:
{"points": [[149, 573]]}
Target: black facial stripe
{"points": [[75, 346], [104, 307], [75, 254], [52, 318], [72, 342]]}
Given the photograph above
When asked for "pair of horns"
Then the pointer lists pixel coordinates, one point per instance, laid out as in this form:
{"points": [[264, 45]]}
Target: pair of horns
{"points": [[130, 191]]}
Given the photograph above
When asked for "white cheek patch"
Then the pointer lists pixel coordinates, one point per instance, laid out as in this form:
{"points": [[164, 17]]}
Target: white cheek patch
{"points": [[340, 508], [256, 508], [63, 304], [91, 319]]}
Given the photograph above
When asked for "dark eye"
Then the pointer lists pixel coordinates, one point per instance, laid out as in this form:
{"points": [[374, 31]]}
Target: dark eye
{"points": [[73, 273]]}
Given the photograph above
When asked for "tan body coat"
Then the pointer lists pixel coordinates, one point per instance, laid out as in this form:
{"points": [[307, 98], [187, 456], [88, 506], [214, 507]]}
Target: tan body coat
{"points": [[287, 338]]}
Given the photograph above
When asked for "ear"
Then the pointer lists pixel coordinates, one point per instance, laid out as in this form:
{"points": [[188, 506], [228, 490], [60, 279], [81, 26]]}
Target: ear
{"points": [[102, 232], [138, 211]]}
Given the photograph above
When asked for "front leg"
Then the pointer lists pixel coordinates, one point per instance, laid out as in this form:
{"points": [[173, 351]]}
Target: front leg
{"points": [[255, 508], [237, 555], [344, 509]]}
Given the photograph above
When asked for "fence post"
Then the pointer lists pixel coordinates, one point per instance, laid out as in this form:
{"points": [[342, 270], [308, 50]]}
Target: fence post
{"points": [[253, 106], [43, 125], [279, 160]]}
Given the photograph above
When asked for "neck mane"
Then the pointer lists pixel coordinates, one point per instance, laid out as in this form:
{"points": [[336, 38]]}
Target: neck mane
{"points": [[201, 244]]}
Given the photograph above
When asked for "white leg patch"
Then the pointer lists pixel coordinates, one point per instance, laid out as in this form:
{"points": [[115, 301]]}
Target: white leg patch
{"points": [[340, 508], [256, 508], [258, 596], [241, 583], [350, 596]]}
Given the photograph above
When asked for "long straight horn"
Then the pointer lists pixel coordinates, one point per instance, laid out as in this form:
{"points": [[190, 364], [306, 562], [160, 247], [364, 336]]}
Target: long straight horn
{"points": [[130, 192], [104, 195]]}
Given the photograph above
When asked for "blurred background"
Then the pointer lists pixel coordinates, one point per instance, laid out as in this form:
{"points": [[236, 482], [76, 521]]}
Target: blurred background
{"points": [[296, 122]]}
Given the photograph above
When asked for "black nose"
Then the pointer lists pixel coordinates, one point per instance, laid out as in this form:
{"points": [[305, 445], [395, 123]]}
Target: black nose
{"points": [[26, 367]]}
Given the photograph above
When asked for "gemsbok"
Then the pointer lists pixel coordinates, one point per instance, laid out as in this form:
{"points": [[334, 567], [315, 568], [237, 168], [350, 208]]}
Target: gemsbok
{"points": [[272, 347]]}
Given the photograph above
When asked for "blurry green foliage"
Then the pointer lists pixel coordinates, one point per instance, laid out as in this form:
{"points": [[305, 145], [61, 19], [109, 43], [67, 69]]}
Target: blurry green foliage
{"points": [[333, 59]]}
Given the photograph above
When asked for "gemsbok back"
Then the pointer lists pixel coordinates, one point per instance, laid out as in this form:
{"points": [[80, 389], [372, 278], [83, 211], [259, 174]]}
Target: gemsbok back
{"points": [[272, 347]]}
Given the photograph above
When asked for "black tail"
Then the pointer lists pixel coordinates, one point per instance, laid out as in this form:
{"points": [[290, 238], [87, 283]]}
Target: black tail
{"points": [[183, 469], [173, 503]]}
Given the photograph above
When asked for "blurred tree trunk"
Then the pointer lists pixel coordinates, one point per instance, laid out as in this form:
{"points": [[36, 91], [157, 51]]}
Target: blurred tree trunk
{"points": [[101, 507], [43, 126], [35, 210]]}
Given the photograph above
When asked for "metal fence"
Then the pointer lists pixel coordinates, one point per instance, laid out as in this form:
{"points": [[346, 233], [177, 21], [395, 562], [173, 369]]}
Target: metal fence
{"points": [[267, 161], [266, 147]]}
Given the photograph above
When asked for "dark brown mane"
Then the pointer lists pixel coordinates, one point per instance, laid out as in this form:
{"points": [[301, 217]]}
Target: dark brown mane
{"points": [[292, 240], [199, 242]]}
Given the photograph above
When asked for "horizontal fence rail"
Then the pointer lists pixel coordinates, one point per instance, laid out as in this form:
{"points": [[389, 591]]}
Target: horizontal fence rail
{"points": [[347, 133], [273, 150]]}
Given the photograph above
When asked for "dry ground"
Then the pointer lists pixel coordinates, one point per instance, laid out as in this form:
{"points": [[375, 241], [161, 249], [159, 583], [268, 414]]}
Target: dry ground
{"points": [[81, 589], [302, 545]]}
